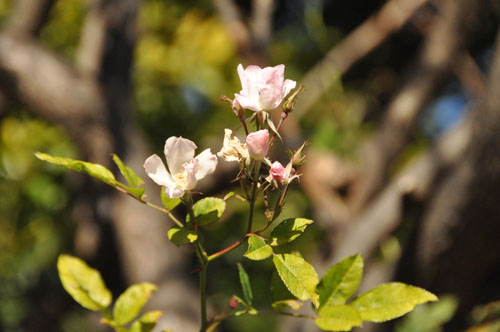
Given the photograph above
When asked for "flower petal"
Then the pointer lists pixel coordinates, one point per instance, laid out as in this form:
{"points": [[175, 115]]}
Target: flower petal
{"points": [[288, 86], [246, 102], [157, 172], [190, 174], [173, 192], [178, 151], [205, 164]]}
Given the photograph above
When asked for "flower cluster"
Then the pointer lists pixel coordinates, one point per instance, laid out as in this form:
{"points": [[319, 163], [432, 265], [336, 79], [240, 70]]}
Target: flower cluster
{"points": [[263, 90]]}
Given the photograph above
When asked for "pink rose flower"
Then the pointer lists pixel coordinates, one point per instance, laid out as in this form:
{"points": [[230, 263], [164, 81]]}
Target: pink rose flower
{"points": [[263, 89], [258, 144], [184, 169]]}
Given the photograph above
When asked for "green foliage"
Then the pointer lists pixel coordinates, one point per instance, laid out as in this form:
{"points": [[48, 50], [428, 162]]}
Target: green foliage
{"points": [[167, 202], [298, 276], [146, 322], [338, 318], [389, 301], [258, 249], [208, 210], [133, 179], [288, 230], [95, 170], [340, 282], [129, 304], [83, 283], [87, 288], [181, 236], [245, 284]]}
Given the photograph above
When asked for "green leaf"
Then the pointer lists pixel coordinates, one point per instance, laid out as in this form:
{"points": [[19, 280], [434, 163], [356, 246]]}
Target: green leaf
{"points": [[340, 282], [111, 323], [208, 210], [289, 230], [338, 318], [169, 203], [133, 179], [298, 276], [95, 170], [279, 292], [257, 249], [389, 301], [287, 304], [83, 283], [180, 236], [129, 304], [245, 284], [147, 322]]}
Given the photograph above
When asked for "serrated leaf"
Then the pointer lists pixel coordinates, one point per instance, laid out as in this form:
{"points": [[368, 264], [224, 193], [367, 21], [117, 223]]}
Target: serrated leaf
{"points": [[167, 202], [181, 236], [83, 283], [288, 230], [338, 318], [287, 304], [146, 322], [245, 284], [257, 249], [95, 170], [340, 282], [389, 301], [298, 276], [133, 179], [129, 303], [208, 210]]}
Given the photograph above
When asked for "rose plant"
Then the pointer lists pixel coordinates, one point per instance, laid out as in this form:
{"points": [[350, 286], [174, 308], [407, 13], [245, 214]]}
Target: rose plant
{"points": [[263, 91]]}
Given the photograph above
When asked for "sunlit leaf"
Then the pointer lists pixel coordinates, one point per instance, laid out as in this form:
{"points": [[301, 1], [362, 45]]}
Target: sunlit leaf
{"points": [[180, 236], [298, 276], [338, 318], [289, 230], [257, 249], [167, 202], [129, 304], [245, 284], [146, 322], [340, 282], [95, 170], [208, 210], [389, 301], [83, 283], [133, 179], [111, 323]]}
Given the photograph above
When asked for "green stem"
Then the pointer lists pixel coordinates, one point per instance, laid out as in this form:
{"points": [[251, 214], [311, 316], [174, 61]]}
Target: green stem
{"points": [[203, 297]]}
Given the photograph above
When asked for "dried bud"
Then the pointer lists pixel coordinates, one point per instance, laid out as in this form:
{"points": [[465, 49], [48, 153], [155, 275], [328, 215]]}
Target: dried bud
{"points": [[290, 101], [297, 157]]}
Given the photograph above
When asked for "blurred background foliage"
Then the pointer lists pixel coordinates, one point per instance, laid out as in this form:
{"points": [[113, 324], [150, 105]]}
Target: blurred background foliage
{"points": [[185, 59]]}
